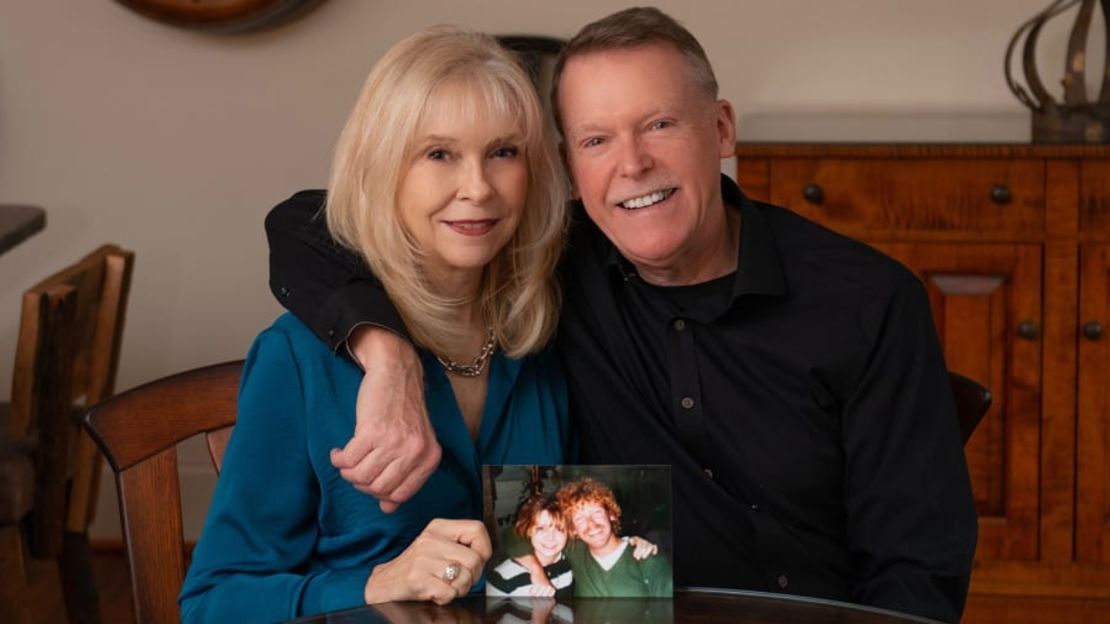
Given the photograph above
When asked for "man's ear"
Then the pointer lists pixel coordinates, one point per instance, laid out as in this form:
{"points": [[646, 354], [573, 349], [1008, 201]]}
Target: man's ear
{"points": [[566, 167], [726, 128]]}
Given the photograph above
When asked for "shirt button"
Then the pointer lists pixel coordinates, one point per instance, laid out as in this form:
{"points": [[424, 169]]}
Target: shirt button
{"points": [[755, 506], [284, 291], [708, 472], [687, 402], [331, 333], [679, 325], [783, 581]]}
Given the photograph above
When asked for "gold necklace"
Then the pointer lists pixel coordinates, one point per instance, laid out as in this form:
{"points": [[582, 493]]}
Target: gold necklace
{"points": [[478, 366]]}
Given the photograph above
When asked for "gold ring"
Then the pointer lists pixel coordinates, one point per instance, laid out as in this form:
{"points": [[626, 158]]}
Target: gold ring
{"points": [[451, 572]]}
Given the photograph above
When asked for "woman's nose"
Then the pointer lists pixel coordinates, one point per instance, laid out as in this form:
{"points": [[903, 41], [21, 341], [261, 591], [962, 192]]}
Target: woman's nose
{"points": [[474, 185]]}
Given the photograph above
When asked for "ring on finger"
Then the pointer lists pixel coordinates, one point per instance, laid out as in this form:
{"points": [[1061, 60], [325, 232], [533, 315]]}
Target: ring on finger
{"points": [[451, 572]]}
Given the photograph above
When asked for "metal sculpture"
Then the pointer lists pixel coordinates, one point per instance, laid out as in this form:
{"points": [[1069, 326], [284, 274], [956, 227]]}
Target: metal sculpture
{"points": [[1076, 119]]}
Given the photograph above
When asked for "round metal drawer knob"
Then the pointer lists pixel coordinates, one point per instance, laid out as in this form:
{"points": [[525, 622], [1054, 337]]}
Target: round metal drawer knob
{"points": [[1027, 330], [1092, 330], [1000, 194], [813, 193]]}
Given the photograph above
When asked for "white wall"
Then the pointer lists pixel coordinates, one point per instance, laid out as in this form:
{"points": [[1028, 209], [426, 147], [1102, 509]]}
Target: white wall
{"points": [[175, 144]]}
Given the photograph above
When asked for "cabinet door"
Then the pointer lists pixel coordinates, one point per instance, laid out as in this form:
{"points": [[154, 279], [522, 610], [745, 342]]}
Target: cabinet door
{"points": [[1094, 196], [980, 295], [1092, 518]]}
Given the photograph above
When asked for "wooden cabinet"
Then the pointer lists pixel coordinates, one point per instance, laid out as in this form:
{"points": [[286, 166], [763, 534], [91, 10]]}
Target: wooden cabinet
{"points": [[1092, 531], [1013, 245]]}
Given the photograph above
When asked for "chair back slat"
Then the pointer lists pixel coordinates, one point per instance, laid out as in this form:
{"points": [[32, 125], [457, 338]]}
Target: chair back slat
{"points": [[150, 511], [100, 381], [107, 335], [53, 311]]}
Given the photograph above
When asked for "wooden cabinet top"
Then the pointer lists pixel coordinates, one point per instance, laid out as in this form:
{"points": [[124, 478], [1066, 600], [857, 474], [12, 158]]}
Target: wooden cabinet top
{"points": [[898, 135], [920, 150]]}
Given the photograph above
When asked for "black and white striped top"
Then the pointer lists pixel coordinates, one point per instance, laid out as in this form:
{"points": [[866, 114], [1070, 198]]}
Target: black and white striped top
{"points": [[510, 578]]}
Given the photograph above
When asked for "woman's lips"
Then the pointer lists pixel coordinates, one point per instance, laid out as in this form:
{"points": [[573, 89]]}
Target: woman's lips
{"points": [[472, 227]]}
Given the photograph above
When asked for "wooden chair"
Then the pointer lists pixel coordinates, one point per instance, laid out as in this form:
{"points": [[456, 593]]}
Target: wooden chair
{"points": [[138, 431], [972, 402], [67, 354]]}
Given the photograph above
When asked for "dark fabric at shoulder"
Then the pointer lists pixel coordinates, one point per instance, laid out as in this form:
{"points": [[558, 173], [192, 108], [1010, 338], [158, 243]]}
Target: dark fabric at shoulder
{"points": [[327, 286], [844, 260]]}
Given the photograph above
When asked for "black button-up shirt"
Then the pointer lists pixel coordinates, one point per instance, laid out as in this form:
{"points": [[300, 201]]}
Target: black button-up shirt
{"points": [[802, 402]]}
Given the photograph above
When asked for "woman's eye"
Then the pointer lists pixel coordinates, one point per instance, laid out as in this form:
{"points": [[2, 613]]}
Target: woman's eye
{"points": [[506, 151], [437, 154], [593, 142]]}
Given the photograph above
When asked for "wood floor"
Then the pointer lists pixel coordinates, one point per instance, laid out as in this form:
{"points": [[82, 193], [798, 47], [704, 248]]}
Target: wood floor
{"points": [[114, 588], [113, 584]]}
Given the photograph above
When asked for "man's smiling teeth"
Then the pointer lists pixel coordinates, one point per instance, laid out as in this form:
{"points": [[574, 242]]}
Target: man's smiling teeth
{"points": [[647, 200]]}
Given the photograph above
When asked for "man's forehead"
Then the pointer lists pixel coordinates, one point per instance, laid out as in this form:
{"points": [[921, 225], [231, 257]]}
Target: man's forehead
{"points": [[587, 507], [588, 80]]}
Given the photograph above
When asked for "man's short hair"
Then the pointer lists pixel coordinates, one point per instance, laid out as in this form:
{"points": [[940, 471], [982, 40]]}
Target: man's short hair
{"points": [[632, 28], [530, 510], [586, 490]]}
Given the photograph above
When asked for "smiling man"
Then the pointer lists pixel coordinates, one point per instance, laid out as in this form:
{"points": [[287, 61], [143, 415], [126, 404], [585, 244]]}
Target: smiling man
{"points": [[603, 563], [790, 376]]}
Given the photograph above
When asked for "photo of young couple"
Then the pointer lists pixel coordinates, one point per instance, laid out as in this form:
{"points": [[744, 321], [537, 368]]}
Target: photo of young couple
{"points": [[579, 531]]}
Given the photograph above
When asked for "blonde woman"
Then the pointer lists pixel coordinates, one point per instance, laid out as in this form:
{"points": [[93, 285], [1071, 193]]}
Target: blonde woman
{"points": [[445, 185]]}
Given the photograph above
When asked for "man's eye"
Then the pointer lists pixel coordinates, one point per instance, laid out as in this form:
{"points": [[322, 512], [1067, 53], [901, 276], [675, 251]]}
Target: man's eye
{"points": [[593, 142], [661, 124]]}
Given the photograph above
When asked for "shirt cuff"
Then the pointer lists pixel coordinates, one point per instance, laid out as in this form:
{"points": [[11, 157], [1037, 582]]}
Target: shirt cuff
{"points": [[351, 305], [335, 591]]}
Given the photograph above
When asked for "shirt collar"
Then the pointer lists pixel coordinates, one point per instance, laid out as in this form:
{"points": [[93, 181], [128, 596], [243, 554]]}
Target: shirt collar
{"points": [[759, 266]]}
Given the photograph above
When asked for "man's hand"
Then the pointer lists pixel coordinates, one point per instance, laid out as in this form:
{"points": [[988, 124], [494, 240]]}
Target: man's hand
{"points": [[541, 586], [394, 449]]}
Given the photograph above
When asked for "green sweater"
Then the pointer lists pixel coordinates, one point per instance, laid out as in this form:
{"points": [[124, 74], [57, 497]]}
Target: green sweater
{"points": [[627, 578]]}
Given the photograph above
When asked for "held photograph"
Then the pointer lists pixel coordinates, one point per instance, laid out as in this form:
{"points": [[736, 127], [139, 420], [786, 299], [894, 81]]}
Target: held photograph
{"points": [[579, 531]]}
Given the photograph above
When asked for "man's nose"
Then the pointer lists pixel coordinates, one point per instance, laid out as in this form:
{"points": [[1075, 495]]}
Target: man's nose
{"points": [[634, 159], [474, 184]]}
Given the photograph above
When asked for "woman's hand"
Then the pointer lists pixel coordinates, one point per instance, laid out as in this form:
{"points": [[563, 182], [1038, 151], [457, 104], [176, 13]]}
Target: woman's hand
{"points": [[641, 548], [418, 573]]}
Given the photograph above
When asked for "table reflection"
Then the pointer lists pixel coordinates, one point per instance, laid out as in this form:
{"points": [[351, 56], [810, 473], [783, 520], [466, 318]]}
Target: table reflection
{"points": [[698, 605], [545, 611], [477, 610]]}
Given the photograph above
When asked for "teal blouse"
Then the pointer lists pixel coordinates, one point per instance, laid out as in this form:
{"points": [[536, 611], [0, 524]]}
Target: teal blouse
{"points": [[285, 535]]}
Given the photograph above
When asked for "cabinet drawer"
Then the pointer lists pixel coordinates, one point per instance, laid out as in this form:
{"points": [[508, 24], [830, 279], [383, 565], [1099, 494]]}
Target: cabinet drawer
{"points": [[875, 196]]}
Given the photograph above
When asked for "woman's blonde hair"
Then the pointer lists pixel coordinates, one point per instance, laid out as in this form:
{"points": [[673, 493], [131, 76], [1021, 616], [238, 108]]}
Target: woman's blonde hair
{"points": [[519, 295]]}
